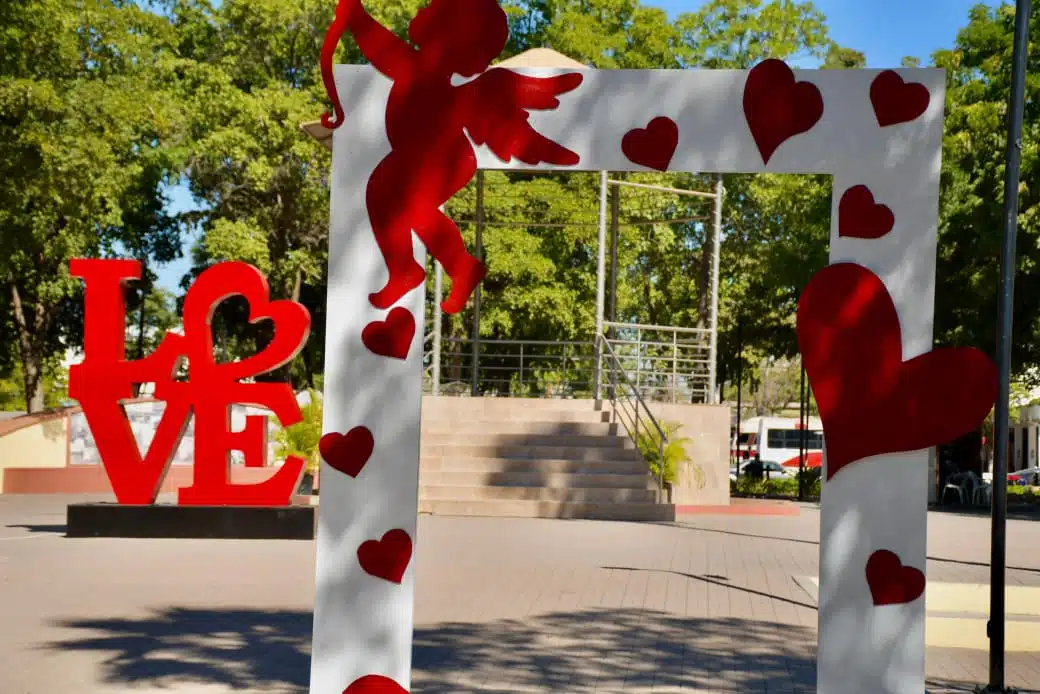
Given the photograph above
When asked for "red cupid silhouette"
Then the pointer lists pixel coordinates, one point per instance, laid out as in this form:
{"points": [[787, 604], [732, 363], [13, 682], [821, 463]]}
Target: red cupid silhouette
{"points": [[427, 119]]}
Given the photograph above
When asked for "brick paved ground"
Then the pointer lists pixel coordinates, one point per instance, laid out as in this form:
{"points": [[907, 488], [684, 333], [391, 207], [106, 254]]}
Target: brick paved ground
{"points": [[503, 605]]}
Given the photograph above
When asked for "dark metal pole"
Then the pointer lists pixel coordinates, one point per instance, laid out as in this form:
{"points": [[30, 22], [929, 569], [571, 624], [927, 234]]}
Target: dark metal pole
{"points": [[740, 389], [479, 243], [803, 430], [615, 215], [1005, 304]]}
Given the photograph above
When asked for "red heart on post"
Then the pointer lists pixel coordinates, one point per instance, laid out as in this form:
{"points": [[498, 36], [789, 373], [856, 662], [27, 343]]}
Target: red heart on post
{"points": [[374, 684], [347, 453], [860, 217], [890, 582], [777, 107], [654, 145], [386, 558], [870, 400], [392, 337], [897, 101]]}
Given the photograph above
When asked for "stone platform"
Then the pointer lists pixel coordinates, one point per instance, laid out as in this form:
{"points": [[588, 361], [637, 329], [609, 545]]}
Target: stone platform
{"points": [[295, 522]]}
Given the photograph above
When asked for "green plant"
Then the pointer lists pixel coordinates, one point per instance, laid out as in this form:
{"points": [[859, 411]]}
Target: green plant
{"points": [[673, 453], [301, 439]]}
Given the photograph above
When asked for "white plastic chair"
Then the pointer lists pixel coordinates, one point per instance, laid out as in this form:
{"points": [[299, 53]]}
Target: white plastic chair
{"points": [[954, 484]]}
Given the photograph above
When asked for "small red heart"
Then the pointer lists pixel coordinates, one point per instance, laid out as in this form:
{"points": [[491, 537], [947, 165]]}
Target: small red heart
{"points": [[860, 217], [890, 582], [392, 337], [387, 558], [870, 400], [374, 684], [896, 101], [347, 453], [777, 107], [654, 145]]}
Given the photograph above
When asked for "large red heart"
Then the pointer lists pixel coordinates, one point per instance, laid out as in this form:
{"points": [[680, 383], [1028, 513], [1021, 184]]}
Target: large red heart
{"points": [[654, 145], [391, 337], [387, 558], [896, 101], [374, 684], [860, 217], [890, 582], [870, 400], [777, 107], [347, 453]]}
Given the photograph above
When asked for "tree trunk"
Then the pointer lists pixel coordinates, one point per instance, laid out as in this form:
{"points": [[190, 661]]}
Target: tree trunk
{"points": [[140, 331], [32, 366]]}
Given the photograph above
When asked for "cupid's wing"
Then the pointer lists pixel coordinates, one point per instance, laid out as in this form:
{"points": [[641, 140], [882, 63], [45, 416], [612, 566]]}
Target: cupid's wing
{"points": [[497, 104]]}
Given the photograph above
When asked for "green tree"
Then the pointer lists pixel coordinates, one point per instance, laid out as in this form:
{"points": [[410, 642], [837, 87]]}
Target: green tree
{"points": [[972, 199], [86, 126]]}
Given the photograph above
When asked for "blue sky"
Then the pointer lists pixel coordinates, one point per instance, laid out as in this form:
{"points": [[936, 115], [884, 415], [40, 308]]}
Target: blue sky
{"points": [[885, 30]]}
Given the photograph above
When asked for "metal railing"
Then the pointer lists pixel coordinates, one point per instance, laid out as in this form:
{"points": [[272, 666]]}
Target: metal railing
{"points": [[668, 364], [632, 411], [515, 368]]}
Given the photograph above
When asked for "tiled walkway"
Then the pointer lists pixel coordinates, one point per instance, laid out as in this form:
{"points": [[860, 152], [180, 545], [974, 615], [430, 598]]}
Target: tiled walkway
{"points": [[503, 605]]}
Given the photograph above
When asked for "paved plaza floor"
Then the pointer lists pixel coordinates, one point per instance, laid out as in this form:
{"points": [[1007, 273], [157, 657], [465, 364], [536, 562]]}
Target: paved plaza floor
{"points": [[711, 604]]}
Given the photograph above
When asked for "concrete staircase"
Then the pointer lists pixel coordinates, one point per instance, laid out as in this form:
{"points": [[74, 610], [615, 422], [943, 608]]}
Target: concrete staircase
{"points": [[531, 458]]}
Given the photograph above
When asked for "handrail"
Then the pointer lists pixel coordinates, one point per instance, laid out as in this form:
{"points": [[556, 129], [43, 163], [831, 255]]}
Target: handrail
{"points": [[663, 438], [662, 328]]}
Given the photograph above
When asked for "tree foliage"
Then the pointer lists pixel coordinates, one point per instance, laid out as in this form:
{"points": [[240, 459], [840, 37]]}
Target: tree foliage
{"points": [[104, 103], [86, 126]]}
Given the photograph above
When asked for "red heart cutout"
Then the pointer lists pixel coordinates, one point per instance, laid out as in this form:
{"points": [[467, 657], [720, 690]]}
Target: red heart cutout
{"points": [[870, 400], [890, 582], [387, 558], [392, 337], [860, 217], [374, 684], [347, 453], [896, 101], [654, 145], [777, 107]]}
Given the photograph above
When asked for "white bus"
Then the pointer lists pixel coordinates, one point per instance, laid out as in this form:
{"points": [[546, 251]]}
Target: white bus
{"points": [[777, 438]]}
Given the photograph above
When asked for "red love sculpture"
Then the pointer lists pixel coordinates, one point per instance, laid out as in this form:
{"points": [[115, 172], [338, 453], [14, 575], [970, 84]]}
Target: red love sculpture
{"points": [[890, 582], [860, 217], [374, 684], [388, 557], [347, 453], [392, 337], [870, 400], [777, 107], [652, 146], [896, 101], [105, 378]]}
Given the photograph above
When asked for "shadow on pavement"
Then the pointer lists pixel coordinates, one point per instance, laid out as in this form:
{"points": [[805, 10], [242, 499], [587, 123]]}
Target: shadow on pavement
{"points": [[581, 651], [755, 536], [54, 529]]}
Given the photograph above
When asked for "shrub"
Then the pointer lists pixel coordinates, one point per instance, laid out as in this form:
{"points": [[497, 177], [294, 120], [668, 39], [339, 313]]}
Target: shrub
{"points": [[674, 453], [301, 439]]}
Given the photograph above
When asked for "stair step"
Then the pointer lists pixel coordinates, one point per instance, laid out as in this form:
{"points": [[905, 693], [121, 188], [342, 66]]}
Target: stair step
{"points": [[550, 509], [477, 493], [478, 450], [491, 438], [523, 414], [497, 405], [517, 427], [531, 465], [553, 480]]}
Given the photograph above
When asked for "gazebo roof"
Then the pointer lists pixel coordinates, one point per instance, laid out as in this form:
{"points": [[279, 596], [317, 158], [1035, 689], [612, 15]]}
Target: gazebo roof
{"points": [[534, 58]]}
